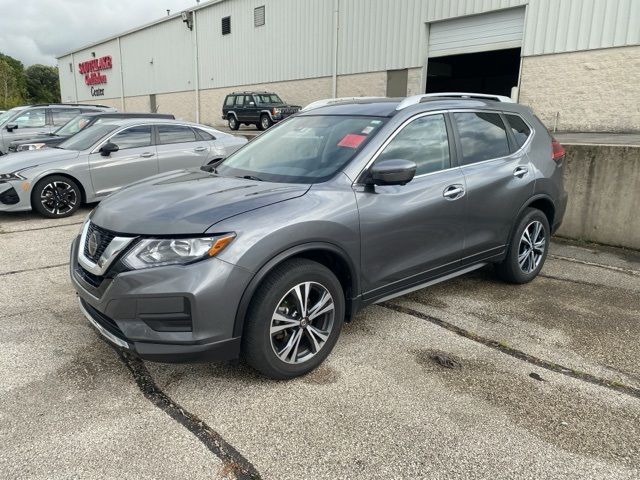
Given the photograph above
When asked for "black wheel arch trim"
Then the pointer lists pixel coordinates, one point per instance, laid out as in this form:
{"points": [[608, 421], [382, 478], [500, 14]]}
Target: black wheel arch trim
{"points": [[534, 198], [350, 303]]}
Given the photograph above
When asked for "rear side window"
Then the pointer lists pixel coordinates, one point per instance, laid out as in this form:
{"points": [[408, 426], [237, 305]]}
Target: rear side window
{"points": [[519, 128], [175, 134], [133, 137], [240, 100], [423, 141], [229, 101], [483, 136]]}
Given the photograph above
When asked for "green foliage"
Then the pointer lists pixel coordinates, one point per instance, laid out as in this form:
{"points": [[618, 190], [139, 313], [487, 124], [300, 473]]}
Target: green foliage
{"points": [[20, 86]]}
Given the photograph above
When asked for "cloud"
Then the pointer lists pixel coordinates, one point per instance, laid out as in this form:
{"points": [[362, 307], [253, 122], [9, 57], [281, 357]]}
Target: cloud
{"points": [[35, 31]]}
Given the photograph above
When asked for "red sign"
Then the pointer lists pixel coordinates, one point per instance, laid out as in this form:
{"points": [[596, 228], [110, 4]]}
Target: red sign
{"points": [[91, 69]]}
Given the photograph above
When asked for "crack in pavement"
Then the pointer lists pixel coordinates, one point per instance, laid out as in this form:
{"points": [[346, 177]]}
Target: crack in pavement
{"points": [[628, 271], [578, 282], [40, 228], [232, 460], [519, 354], [46, 267]]}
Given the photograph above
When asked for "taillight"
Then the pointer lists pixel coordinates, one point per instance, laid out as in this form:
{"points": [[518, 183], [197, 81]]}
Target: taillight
{"points": [[558, 150]]}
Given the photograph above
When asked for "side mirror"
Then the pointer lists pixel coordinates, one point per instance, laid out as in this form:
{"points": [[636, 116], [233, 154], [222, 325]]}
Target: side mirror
{"points": [[392, 172], [11, 127], [251, 104], [211, 166], [108, 148]]}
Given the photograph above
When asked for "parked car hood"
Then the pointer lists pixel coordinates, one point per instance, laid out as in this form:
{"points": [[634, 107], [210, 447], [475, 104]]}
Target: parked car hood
{"points": [[21, 160], [51, 138], [186, 202]]}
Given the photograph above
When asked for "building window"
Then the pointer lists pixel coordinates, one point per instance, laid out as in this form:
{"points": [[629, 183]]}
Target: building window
{"points": [[258, 16], [226, 25]]}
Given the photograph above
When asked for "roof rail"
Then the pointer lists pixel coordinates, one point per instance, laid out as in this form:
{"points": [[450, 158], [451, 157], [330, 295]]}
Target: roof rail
{"points": [[415, 99], [331, 101]]}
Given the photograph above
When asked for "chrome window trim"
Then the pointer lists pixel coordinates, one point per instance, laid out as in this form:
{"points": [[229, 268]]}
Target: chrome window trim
{"points": [[117, 245]]}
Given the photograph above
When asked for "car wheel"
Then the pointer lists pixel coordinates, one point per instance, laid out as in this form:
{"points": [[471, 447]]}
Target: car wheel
{"points": [[265, 122], [56, 197], [233, 123], [528, 248], [294, 320]]}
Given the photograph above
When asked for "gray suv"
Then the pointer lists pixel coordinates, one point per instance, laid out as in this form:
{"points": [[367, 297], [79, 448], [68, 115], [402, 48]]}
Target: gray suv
{"points": [[341, 206], [22, 123]]}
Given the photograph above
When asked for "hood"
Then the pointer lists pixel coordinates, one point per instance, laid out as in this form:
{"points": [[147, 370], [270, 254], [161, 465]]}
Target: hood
{"points": [[47, 139], [186, 202], [21, 160]]}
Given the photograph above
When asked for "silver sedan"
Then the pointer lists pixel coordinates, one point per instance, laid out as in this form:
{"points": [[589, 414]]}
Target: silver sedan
{"points": [[104, 158]]}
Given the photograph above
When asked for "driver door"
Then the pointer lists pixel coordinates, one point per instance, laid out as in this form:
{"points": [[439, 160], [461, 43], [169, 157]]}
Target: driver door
{"points": [[411, 233], [135, 160]]}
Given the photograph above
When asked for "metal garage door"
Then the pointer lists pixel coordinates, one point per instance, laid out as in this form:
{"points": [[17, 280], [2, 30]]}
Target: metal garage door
{"points": [[477, 33]]}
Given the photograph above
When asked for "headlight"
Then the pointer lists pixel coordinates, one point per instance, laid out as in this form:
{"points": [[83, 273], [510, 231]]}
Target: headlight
{"points": [[152, 252], [6, 177], [31, 146]]}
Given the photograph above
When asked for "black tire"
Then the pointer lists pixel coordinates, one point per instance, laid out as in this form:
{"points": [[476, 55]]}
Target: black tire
{"points": [[56, 196], [233, 122], [265, 122], [258, 346], [520, 266]]}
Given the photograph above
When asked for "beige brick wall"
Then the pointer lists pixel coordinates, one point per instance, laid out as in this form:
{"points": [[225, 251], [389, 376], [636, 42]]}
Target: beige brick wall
{"points": [[110, 102], [415, 83], [591, 91], [137, 104], [181, 104]]}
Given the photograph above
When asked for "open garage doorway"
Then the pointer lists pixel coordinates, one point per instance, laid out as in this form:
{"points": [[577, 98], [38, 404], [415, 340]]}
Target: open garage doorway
{"points": [[494, 72]]}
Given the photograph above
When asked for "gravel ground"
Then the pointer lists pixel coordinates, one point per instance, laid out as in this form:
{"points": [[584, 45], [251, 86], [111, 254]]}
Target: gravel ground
{"points": [[541, 381]]}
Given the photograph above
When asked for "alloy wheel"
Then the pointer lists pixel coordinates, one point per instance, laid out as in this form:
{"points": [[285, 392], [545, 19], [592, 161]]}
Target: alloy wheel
{"points": [[265, 122], [532, 246], [58, 197], [302, 322]]}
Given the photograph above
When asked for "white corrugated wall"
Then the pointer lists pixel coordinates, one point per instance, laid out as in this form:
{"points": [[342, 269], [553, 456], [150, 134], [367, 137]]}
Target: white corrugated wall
{"points": [[297, 39]]}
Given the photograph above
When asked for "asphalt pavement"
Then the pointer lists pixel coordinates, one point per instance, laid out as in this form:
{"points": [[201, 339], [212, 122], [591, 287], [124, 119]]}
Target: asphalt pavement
{"points": [[466, 379]]}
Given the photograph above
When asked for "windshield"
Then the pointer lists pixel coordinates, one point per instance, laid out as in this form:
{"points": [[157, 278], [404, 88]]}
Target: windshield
{"points": [[87, 137], [8, 114], [73, 126], [308, 149], [269, 98]]}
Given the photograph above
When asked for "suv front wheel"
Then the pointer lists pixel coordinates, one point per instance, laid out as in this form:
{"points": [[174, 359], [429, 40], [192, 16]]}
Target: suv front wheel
{"points": [[294, 320], [528, 248], [233, 122], [265, 122]]}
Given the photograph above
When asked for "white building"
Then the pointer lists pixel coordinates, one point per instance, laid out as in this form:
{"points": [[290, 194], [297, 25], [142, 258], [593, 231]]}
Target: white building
{"points": [[576, 62]]}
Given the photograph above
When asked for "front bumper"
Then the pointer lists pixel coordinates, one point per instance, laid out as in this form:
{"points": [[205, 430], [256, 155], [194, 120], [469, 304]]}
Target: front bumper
{"points": [[13, 197], [136, 310]]}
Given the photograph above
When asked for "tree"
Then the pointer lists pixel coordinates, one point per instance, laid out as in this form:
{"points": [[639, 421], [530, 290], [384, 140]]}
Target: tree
{"points": [[42, 83], [12, 82]]}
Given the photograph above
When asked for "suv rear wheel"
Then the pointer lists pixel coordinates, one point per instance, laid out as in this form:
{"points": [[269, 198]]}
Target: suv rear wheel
{"points": [[56, 197], [528, 248], [265, 122], [294, 320], [233, 122]]}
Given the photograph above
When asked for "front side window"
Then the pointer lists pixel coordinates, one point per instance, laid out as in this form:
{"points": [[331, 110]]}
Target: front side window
{"points": [[306, 149], [32, 118], [87, 138], [60, 116], [7, 115], [519, 128], [248, 99], [175, 134], [133, 137], [269, 98], [483, 136], [423, 141]]}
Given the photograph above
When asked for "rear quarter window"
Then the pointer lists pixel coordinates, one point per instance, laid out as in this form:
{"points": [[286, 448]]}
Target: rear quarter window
{"points": [[519, 128], [229, 101]]}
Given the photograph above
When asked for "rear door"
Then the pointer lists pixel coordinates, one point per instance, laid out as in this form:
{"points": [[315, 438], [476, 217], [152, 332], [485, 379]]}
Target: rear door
{"points": [[498, 176], [180, 147], [135, 160], [239, 108]]}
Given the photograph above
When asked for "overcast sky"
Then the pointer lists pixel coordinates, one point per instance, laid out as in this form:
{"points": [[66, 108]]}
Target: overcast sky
{"points": [[35, 31]]}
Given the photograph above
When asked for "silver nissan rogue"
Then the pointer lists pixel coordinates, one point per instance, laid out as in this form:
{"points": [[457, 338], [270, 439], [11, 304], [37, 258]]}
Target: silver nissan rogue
{"points": [[349, 203]]}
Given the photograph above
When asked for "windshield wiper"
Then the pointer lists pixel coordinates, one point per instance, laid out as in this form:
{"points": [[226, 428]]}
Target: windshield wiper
{"points": [[250, 177]]}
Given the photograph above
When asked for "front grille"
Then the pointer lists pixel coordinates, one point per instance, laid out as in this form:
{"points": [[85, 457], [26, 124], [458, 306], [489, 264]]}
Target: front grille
{"points": [[289, 111], [102, 238], [9, 197], [93, 280], [105, 322], [13, 148]]}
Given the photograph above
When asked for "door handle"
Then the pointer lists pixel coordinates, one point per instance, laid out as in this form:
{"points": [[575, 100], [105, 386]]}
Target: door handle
{"points": [[147, 154], [199, 149], [520, 172], [453, 192]]}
